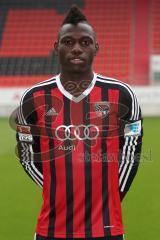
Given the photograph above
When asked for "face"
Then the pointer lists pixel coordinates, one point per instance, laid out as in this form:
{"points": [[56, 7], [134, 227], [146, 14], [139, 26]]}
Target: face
{"points": [[76, 47]]}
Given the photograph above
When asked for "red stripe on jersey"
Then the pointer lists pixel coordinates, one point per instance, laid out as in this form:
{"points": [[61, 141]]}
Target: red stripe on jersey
{"points": [[96, 119], [60, 198], [43, 219], [113, 152], [78, 173]]}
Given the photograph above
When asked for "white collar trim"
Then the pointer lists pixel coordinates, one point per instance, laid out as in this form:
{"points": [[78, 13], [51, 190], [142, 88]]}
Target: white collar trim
{"points": [[69, 95]]}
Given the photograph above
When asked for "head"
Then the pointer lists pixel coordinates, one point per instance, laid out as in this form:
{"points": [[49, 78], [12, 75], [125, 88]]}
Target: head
{"points": [[76, 45]]}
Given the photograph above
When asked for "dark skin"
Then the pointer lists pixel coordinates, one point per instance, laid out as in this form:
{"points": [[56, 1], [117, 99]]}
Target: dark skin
{"points": [[76, 48]]}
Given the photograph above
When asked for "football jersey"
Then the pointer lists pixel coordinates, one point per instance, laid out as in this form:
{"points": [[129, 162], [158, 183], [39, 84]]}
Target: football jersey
{"points": [[83, 151]]}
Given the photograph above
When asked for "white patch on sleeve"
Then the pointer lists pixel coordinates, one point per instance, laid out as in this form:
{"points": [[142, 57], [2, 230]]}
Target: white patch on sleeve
{"points": [[23, 137], [133, 129]]}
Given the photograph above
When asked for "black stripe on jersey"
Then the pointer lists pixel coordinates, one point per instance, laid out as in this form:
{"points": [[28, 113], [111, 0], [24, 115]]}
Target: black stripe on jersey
{"points": [[48, 125], [88, 173], [36, 147], [105, 123], [135, 105], [69, 173], [37, 156]]}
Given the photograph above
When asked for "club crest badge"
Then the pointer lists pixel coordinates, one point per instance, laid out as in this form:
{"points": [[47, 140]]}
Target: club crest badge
{"points": [[102, 109]]}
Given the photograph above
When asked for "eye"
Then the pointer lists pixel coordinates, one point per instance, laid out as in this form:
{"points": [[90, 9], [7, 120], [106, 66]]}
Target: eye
{"points": [[68, 42], [85, 42]]}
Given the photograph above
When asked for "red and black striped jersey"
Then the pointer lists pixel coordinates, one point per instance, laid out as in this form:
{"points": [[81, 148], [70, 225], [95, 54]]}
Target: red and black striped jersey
{"points": [[84, 151]]}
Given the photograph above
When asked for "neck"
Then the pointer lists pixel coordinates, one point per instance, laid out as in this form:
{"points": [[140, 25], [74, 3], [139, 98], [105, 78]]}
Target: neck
{"points": [[76, 77], [76, 83]]}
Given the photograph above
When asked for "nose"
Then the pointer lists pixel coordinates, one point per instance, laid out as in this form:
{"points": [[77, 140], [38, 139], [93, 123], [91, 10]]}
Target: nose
{"points": [[76, 50]]}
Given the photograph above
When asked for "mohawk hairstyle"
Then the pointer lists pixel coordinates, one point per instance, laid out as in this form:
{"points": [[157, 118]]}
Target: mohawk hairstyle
{"points": [[74, 16]]}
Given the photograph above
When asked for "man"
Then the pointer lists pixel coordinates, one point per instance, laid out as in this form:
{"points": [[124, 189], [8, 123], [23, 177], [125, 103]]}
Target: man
{"points": [[79, 137]]}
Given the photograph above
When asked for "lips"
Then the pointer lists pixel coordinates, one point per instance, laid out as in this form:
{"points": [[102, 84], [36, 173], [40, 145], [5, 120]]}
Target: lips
{"points": [[76, 60]]}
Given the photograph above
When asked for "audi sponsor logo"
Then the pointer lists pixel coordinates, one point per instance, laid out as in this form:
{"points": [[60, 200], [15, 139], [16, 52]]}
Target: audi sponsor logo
{"points": [[67, 148], [74, 132]]}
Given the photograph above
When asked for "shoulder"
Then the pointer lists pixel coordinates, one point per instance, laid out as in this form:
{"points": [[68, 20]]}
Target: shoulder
{"points": [[127, 96], [41, 86], [113, 82], [124, 88]]}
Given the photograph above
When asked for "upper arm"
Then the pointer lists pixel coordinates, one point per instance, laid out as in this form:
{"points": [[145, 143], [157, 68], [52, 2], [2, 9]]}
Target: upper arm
{"points": [[130, 139], [28, 143]]}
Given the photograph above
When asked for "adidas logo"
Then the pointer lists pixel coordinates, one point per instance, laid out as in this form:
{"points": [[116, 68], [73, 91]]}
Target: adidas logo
{"points": [[51, 112]]}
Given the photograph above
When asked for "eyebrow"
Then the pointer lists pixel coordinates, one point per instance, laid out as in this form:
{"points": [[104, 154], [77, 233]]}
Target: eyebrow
{"points": [[71, 37]]}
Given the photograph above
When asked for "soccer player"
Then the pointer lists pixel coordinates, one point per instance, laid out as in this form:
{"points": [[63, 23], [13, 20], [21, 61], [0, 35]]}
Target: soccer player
{"points": [[79, 137]]}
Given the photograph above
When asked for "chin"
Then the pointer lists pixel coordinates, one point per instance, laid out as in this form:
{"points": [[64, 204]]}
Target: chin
{"points": [[78, 69]]}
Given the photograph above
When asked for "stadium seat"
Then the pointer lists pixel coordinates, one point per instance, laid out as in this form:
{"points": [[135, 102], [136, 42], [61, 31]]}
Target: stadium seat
{"points": [[27, 37]]}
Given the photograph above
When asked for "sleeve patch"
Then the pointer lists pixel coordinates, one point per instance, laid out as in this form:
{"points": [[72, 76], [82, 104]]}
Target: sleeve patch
{"points": [[24, 129], [24, 133], [133, 129], [25, 137]]}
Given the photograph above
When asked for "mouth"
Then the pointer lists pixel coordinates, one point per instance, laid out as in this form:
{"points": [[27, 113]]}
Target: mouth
{"points": [[76, 61]]}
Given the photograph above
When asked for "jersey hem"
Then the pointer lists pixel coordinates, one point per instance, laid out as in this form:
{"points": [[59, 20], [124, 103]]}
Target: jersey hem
{"points": [[77, 235]]}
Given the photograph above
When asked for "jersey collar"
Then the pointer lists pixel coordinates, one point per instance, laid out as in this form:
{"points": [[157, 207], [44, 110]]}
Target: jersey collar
{"points": [[69, 95]]}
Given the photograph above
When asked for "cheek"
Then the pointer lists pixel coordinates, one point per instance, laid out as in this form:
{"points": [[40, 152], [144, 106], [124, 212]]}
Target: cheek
{"points": [[90, 55], [62, 54]]}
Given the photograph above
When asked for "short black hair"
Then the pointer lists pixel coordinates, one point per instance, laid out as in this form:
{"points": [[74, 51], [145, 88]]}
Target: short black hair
{"points": [[74, 16]]}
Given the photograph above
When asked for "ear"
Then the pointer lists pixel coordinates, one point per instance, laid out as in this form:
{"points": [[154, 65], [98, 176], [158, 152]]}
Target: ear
{"points": [[96, 48], [56, 48]]}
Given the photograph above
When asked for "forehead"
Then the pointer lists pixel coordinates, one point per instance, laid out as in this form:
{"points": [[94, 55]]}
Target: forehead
{"points": [[76, 31]]}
